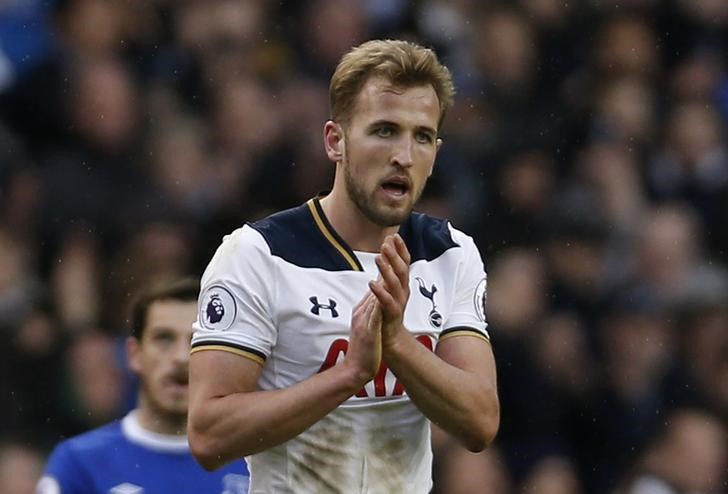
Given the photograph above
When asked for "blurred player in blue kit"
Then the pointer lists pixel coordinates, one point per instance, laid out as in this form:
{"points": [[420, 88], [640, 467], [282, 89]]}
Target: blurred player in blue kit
{"points": [[331, 334], [147, 451]]}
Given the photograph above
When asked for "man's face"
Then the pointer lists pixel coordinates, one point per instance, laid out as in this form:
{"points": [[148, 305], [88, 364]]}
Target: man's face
{"points": [[390, 147], [161, 358]]}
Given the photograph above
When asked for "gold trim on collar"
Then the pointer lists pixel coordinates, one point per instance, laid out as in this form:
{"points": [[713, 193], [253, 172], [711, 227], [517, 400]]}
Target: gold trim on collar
{"points": [[330, 237]]}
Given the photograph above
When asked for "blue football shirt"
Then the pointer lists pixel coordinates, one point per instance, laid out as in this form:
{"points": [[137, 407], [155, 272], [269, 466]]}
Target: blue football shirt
{"points": [[124, 458]]}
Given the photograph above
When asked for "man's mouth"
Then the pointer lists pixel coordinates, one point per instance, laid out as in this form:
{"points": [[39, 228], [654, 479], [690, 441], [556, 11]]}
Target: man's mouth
{"points": [[180, 379], [396, 186]]}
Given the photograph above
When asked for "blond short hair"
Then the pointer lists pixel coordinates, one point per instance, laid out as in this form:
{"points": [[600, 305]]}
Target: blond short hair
{"points": [[403, 63]]}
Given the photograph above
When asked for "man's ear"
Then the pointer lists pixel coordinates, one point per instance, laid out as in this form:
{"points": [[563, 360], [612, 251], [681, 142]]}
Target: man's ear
{"points": [[133, 355], [334, 141], [438, 145]]}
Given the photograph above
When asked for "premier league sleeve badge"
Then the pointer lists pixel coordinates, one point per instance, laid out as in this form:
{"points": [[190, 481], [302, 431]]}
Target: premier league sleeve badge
{"points": [[217, 308]]}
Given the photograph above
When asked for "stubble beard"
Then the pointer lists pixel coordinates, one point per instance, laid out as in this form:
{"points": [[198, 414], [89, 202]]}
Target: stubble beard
{"points": [[170, 411], [380, 215]]}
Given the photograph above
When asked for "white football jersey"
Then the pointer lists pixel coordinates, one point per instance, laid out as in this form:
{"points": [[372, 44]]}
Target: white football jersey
{"points": [[281, 291]]}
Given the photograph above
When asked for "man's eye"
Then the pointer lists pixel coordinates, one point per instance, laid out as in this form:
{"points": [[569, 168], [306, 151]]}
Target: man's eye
{"points": [[423, 137], [164, 338], [384, 131]]}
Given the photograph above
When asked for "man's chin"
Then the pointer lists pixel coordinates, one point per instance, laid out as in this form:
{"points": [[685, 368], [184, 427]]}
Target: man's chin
{"points": [[177, 409], [388, 217], [176, 404]]}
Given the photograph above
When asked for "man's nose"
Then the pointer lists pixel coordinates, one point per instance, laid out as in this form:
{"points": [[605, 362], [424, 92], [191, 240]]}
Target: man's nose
{"points": [[403, 152], [182, 352]]}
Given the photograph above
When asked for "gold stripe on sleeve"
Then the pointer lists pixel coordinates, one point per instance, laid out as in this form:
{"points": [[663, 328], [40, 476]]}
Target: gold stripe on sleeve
{"points": [[463, 332], [236, 351]]}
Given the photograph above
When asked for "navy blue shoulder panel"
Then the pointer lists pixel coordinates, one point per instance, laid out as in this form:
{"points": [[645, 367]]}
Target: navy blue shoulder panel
{"points": [[294, 236], [427, 238]]}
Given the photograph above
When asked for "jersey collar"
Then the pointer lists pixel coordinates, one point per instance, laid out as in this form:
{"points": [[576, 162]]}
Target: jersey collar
{"points": [[317, 212], [165, 443]]}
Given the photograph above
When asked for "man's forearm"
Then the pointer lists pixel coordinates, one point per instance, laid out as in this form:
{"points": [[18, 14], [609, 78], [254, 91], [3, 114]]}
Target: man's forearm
{"points": [[229, 427], [458, 400]]}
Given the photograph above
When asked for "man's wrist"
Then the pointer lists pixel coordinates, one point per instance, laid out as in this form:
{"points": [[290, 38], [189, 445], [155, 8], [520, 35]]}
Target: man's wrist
{"points": [[354, 378], [392, 344]]}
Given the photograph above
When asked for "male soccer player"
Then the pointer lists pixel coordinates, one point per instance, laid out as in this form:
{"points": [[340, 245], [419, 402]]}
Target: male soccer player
{"points": [[349, 321], [147, 451]]}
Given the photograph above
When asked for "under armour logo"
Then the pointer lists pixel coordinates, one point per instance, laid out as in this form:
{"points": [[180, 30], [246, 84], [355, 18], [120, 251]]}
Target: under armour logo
{"points": [[317, 307], [435, 316]]}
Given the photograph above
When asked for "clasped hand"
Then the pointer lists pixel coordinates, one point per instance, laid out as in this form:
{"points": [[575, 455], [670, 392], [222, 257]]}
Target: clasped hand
{"points": [[377, 320], [391, 288]]}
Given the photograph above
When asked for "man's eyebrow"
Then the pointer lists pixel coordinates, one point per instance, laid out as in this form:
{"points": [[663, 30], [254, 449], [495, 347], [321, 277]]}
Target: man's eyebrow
{"points": [[381, 122], [421, 128], [427, 129], [160, 329]]}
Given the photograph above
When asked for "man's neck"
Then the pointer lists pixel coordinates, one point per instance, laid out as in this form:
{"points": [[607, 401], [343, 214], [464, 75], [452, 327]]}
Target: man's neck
{"points": [[170, 424], [356, 229]]}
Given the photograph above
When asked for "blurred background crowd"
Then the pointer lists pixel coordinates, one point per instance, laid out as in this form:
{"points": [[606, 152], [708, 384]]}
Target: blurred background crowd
{"points": [[587, 153]]}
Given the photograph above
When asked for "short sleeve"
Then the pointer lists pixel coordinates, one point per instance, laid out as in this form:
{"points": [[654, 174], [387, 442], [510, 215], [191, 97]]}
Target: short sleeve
{"points": [[237, 296], [63, 474], [468, 309]]}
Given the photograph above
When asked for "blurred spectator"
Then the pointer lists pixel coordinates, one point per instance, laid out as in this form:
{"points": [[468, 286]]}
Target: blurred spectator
{"points": [[518, 211], [31, 359], [505, 71], [97, 164], [157, 251], [702, 320], [75, 282], [20, 288], [327, 29], [552, 475], [697, 77], [458, 471], [669, 252], [21, 466], [611, 174], [506, 52], [626, 45], [577, 252], [93, 382], [517, 298], [25, 40], [692, 166], [516, 292], [636, 343], [99, 28], [20, 189], [688, 455], [186, 182], [625, 111]]}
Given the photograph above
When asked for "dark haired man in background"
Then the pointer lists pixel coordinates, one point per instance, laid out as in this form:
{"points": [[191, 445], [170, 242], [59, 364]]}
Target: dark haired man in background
{"points": [[147, 451]]}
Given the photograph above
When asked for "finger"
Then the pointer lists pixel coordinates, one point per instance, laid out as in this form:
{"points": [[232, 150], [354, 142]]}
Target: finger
{"points": [[375, 315], [402, 249], [391, 281], [388, 303], [368, 304], [360, 313], [360, 304], [395, 249], [373, 321], [399, 265]]}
